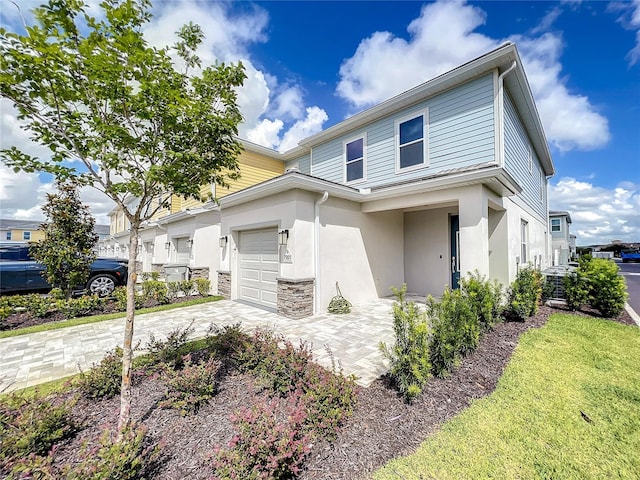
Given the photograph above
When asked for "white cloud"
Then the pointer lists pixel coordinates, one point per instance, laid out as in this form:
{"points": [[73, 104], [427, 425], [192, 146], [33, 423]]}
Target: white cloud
{"points": [[599, 214], [305, 127], [444, 37], [629, 18]]}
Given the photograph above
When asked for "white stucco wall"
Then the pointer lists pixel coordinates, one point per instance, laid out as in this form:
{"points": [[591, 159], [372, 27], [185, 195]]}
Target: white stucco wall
{"points": [[538, 236], [427, 250], [363, 252]]}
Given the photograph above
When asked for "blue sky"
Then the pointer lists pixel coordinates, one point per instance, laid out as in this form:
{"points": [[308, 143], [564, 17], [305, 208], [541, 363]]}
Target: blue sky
{"points": [[313, 64]]}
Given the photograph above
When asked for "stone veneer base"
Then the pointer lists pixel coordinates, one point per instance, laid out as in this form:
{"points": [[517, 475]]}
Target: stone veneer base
{"points": [[295, 297], [224, 284]]}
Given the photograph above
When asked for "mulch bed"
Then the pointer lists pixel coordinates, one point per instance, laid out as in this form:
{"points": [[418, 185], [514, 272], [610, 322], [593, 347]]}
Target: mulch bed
{"points": [[381, 428]]}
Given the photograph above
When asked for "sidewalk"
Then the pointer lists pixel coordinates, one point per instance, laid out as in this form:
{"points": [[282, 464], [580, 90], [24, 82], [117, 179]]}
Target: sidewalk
{"points": [[353, 339]]}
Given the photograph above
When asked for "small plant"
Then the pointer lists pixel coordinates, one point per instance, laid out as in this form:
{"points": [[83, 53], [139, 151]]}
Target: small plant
{"points": [[192, 386], [172, 350], [37, 305], [155, 290], [104, 379], [485, 297], [173, 289], [409, 356], [78, 307], [185, 287], [203, 286], [119, 296], [271, 442], [525, 293], [455, 331], [32, 426], [124, 459], [226, 342], [576, 290]]}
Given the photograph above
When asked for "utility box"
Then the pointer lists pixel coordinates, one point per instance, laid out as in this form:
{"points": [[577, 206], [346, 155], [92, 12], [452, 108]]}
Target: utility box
{"points": [[176, 272]]}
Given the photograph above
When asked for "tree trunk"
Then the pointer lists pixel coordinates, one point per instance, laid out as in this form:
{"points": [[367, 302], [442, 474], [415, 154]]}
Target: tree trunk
{"points": [[127, 347]]}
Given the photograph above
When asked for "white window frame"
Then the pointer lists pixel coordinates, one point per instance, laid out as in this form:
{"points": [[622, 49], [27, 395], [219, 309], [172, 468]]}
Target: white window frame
{"points": [[524, 241], [559, 225], [425, 140], [8, 236], [26, 235], [362, 137]]}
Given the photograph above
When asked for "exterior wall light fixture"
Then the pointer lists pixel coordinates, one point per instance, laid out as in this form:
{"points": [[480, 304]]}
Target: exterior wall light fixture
{"points": [[223, 241], [167, 245], [283, 237]]}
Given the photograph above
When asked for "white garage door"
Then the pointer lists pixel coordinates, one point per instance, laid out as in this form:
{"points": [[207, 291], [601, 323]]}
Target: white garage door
{"points": [[259, 264]]}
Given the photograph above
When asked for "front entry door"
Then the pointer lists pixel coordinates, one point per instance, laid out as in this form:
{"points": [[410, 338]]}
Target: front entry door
{"points": [[455, 251]]}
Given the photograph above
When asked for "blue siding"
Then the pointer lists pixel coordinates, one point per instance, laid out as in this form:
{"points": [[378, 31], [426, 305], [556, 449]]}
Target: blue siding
{"points": [[461, 134], [303, 163], [516, 160]]}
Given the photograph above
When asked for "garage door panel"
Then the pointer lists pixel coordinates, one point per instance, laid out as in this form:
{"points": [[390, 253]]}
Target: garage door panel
{"points": [[259, 266]]}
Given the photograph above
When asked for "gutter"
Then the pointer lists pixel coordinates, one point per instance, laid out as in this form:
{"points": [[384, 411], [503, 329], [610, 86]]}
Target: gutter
{"points": [[316, 251]]}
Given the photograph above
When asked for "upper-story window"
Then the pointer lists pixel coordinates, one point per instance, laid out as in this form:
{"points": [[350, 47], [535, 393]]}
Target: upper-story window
{"points": [[354, 159], [26, 235], [411, 145], [555, 225], [8, 235]]}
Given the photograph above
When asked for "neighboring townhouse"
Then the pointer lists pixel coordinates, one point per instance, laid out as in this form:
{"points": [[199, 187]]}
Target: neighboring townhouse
{"points": [[21, 230], [447, 178], [563, 247], [183, 240]]}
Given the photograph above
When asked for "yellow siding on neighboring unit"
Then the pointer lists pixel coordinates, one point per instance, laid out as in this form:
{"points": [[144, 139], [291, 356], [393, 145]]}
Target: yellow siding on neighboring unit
{"points": [[192, 202], [36, 235], [254, 168]]}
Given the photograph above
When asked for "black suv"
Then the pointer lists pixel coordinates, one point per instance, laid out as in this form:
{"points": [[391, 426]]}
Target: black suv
{"points": [[20, 273]]}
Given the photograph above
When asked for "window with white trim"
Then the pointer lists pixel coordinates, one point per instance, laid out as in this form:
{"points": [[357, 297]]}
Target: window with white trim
{"points": [[354, 159], [411, 144], [8, 235], [555, 225], [26, 235], [524, 241]]}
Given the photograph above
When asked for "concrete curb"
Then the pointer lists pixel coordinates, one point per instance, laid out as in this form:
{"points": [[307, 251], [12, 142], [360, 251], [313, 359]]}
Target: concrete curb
{"points": [[632, 314]]}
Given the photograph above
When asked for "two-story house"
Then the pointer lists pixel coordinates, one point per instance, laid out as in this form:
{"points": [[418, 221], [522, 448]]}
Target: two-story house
{"points": [[447, 178], [563, 244], [21, 230]]}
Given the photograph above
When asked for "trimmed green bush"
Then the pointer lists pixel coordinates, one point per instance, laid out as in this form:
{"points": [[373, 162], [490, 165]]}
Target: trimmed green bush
{"points": [[203, 286], [485, 297], [596, 283], [455, 331], [409, 355], [525, 294], [155, 290]]}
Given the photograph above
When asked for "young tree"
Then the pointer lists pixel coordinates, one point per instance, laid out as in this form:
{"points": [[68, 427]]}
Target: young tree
{"points": [[67, 250], [94, 91]]}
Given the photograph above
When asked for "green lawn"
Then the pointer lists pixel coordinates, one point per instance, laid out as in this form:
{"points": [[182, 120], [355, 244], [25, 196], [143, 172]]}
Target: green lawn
{"points": [[533, 425], [72, 322]]}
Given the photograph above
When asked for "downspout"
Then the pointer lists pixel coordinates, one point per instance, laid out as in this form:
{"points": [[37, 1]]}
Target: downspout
{"points": [[500, 152], [316, 252]]}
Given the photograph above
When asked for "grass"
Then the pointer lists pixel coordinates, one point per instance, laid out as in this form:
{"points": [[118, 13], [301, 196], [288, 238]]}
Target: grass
{"points": [[72, 322], [566, 407]]}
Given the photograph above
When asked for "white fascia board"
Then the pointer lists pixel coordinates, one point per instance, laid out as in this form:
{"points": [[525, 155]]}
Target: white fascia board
{"points": [[494, 177], [286, 182], [271, 153]]}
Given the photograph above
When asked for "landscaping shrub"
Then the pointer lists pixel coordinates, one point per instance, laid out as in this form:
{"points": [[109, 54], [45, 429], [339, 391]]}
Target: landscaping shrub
{"points": [[155, 290], [203, 286], [185, 287], [153, 276], [576, 290], [608, 290], [32, 426], [485, 297], [172, 350], [271, 441], [104, 379], [173, 289], [455, 331], [525, 293], [119, 296], [226, 342], [81, 306], [409, 356], [125, 459], [192, 386], [37, 305]]}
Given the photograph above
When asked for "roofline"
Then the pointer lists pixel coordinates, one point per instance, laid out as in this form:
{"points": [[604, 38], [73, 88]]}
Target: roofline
{"points": [[493, 176]]}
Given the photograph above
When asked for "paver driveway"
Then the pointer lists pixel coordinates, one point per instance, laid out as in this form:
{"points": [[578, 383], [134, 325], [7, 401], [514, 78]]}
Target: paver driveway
{"points": [[353, 339]]}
